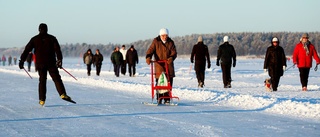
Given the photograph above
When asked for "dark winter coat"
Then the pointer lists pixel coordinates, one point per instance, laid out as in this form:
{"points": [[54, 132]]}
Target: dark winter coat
{"points": [[132, 57], [87, 58], [226, 54], [200, 53], [116, 58], [29, 57], [97, 59], [274, 61], [46, 48], [302, 59], [162, 51]]}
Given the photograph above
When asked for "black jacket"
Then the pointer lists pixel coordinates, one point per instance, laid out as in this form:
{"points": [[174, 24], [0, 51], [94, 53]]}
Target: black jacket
{"points": [[226, 54], [29, 57], [200, 53], [46, 48], [274, 61], [97, 59], [132, 57]]}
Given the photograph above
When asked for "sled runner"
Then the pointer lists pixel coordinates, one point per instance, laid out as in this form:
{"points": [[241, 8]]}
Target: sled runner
{"points": [[163, 86]]}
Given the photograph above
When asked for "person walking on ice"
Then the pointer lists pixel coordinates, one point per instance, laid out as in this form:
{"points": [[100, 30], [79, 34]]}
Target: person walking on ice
{"points": [[200, 53], [275, 63], [226, 57], [302, 57]]}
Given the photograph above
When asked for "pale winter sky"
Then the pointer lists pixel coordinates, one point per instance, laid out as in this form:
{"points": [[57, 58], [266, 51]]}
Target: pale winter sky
{"points": [[125, 21]]}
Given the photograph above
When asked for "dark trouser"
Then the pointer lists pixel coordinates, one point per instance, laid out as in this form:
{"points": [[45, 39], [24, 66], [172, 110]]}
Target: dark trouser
{"points": [[200, 72], [98, 69], [275, 82], [132, 69], [29, 66], [54, 73], [304, 75], [164, 94], [88, 69], [226, 73], [116, 69], [124, 67]]}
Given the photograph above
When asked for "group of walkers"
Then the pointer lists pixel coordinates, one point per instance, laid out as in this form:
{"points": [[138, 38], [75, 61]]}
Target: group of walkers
{"points": [[96, 60], [49, 59], [4, 59], [121, 57], [226, 57], [275, 60]]}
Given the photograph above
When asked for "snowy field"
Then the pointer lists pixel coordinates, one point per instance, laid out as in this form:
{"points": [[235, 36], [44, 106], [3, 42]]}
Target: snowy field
{"points": [[111, 106]]}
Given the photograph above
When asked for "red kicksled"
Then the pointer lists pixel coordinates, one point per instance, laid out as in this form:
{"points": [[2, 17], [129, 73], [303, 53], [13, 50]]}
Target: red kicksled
{"points": [[156, 88]]}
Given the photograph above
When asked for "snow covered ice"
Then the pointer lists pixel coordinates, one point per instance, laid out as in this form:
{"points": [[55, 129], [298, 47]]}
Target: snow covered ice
{"points": [[111, 106]]}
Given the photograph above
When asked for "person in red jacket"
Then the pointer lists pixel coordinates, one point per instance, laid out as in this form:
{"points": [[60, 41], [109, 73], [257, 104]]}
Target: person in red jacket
{"points": [[302, 57]]}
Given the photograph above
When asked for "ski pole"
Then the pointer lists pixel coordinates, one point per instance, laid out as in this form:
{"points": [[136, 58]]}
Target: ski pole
{"points": [[68, 73], [27, 72]]}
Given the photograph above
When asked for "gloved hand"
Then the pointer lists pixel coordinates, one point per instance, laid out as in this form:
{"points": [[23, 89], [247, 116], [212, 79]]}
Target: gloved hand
{"points": [[21, 63], [148, 61], [209, 65], [217, 63], [234, 64], [265, 70], [284, 68], [169, 60], [191, 60], [59, 64]]}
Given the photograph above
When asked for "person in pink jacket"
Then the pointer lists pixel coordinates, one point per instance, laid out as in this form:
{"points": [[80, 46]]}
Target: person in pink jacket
{"points": [[302, 57]]}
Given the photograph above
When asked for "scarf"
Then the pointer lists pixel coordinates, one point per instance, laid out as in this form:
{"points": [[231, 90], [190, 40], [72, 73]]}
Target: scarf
{"points": [[305, 46]]}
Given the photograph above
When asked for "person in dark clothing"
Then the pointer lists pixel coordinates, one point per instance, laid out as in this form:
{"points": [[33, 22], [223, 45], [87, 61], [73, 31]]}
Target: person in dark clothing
{"points": [[201, 54], [97, 61], [275, 62], [10, 60], [29, 60], [87, 59], [132, 60], [162, 48], [226, 54], [47, 49], [116, 59], [15, 60]]}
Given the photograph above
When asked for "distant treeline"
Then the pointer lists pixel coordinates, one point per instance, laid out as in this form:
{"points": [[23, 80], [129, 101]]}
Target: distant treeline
{"points": [[245, 43]]}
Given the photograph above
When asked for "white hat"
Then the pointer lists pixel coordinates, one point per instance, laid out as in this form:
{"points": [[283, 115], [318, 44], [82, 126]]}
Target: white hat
{"points": [[275, 39], [225, 39], [200, 39], [164, 31]]}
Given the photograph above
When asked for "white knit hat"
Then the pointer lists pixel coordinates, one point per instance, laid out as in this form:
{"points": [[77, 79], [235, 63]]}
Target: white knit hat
{"points": [[225, 39], [275, 39], [164, 31], [200, 39]]}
